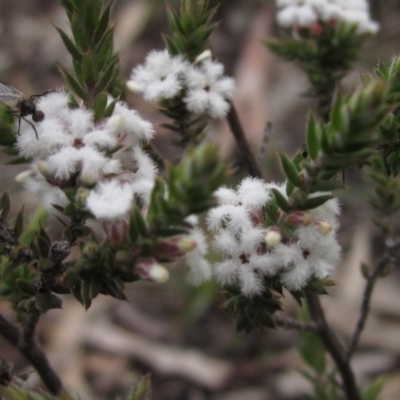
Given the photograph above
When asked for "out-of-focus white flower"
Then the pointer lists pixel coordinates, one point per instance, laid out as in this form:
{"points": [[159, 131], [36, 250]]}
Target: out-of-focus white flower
{"points": [[305, 13], [35, 183], [251, 251], [208, 91], [159, 77], [200, 268]]}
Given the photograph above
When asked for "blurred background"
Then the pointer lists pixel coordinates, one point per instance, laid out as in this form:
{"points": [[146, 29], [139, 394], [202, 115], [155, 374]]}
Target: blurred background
{"points": [[176, 332]]}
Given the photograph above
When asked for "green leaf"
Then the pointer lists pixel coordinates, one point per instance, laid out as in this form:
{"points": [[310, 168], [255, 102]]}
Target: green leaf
{"points": [[271, 213], [79, 32], [43, 242], [373, 391], [314, 202], [106, 78], [85, 295], [141, 391], [19, 223], [336, 116], [26, 287], [69, 5], [313, 138], [290, 170], [70, 46], [281, 200], [89, 68], [100, 105], [95, 287], [72, 84], [5, 204], [91, 14], [312, 351], [76, 292], [45, 301], [137, 225], [103, 23], [69, 278], [104, 49]]}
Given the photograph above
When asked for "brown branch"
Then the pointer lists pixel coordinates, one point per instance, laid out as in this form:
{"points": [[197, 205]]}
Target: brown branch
{"points": [[389, 256], [33, 354], [28, 332], [334, 348], [242, 143], [289, 323]]}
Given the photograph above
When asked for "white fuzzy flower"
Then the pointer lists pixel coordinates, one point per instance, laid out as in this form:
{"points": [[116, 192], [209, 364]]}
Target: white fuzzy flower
{"points": [[74, 149], [110, 200], [208, 91], [132, 123], [145, 175], [159, 77], [240, 237], [304, 13], [253, 193]]}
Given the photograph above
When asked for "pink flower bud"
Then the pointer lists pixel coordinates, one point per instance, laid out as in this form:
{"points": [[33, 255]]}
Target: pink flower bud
{"points": [[299, 218], [316, 29], [174, 248], [150, 271], [116, 230]]}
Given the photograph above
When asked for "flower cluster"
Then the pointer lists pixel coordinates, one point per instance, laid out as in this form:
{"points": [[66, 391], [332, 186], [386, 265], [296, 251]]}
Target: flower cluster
{"points": [[252, 251], [306, 13], [201, 85], [105, 163], [104, 159]]}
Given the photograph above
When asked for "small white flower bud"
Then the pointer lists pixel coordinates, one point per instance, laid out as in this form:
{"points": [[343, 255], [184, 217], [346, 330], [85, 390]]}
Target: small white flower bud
{"points": [[43, 168], [203, 56], [89, 177], [116, 123], [24, 176], [151, 271], [134, 87], [324, 227], [273, 238], [158, 274]]}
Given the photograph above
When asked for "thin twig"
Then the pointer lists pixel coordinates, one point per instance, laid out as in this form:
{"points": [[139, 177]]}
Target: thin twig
{"points": [[242, 143], [264, 143], [33, 354], [389, 256], [28, 332], [289, 323], [334, 348]]}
